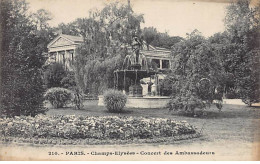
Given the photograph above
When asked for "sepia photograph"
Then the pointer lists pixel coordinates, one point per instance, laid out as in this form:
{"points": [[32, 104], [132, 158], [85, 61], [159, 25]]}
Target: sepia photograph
{"points": [[129, 80]]}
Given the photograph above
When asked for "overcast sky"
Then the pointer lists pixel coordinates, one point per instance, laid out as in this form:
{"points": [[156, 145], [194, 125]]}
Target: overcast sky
{"points": [[177, 17]]}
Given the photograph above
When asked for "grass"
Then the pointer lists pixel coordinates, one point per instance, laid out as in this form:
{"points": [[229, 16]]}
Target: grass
{"points": [[234, 122], [231, 134]]}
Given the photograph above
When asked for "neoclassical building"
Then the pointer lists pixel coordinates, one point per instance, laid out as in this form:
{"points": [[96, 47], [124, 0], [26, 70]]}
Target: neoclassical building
{"points": [[62, 49]]}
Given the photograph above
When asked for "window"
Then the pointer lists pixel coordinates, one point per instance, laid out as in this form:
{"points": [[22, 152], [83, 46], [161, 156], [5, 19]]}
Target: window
{"points": [[165, 64], [157, 61]]}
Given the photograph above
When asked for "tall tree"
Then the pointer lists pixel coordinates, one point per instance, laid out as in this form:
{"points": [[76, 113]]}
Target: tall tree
{"points": [[69, 29], [196, 74], [106, 34], [165, 40], [243, 25], [40, 20], [120, 22], [149, 34], [21, 61]]}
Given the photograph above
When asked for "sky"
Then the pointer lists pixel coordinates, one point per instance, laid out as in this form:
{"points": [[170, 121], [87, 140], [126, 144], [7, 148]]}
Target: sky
{"points": [[177, 17]]}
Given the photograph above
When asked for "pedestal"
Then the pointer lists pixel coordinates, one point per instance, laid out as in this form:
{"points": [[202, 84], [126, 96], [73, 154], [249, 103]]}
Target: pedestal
{"points": [[136, 90], [145, 89]]}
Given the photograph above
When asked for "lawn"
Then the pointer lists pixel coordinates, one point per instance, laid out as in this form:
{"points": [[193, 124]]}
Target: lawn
{"points": [[234, 122], [231, 134]]}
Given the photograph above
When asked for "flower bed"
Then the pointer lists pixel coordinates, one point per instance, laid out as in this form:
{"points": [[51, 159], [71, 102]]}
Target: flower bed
{"points": [[84, 130]]}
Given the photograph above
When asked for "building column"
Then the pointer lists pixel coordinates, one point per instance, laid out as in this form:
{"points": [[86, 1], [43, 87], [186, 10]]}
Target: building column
{"points": [[60, 58], [64, 57], [73, 55], [57, 57], [160, 63]]}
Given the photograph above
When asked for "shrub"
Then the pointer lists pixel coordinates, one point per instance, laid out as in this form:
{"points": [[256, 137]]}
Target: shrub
{"points": [[69, 80], [54, 74], [191, 106], [58, 97], [186, 106], [114, 100], [232, 94], [165, 87]]}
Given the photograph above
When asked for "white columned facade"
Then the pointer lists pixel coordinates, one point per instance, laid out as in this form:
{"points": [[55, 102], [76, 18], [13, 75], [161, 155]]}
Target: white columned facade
{"points": [[63, 47]]}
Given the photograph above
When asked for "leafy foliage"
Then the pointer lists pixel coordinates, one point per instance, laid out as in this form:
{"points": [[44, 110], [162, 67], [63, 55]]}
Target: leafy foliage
{"points": [[45, 33], [250, 87], [41, 18], [166, 41], [196, 76], [97, 76], [149, 34], [68, 81], [165, 87], [157, 39], [114, 100], [54, 74], [120, 22], [22, 59], [101, 128], [105, 34], [58, 97], [241, 50], [78, 98]]}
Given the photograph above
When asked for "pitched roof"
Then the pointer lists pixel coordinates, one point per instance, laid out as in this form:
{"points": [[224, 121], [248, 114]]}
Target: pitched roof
{"points": [[73, 38], [163, 49]]}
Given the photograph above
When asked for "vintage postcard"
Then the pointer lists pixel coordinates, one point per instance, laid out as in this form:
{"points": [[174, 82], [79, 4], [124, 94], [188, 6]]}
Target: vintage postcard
{"points": [[130, 80]]}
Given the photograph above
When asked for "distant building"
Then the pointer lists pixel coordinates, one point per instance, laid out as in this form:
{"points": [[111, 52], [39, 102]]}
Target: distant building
{"points": [[62, 49]]}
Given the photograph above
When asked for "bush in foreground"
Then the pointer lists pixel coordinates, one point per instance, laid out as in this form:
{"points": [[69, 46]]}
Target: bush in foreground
{"points": [[58, 97], [114, 100], [100, 128]]}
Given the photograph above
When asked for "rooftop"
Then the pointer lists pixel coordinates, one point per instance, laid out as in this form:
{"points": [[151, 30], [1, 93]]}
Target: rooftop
{"points": [[73, 38]]}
